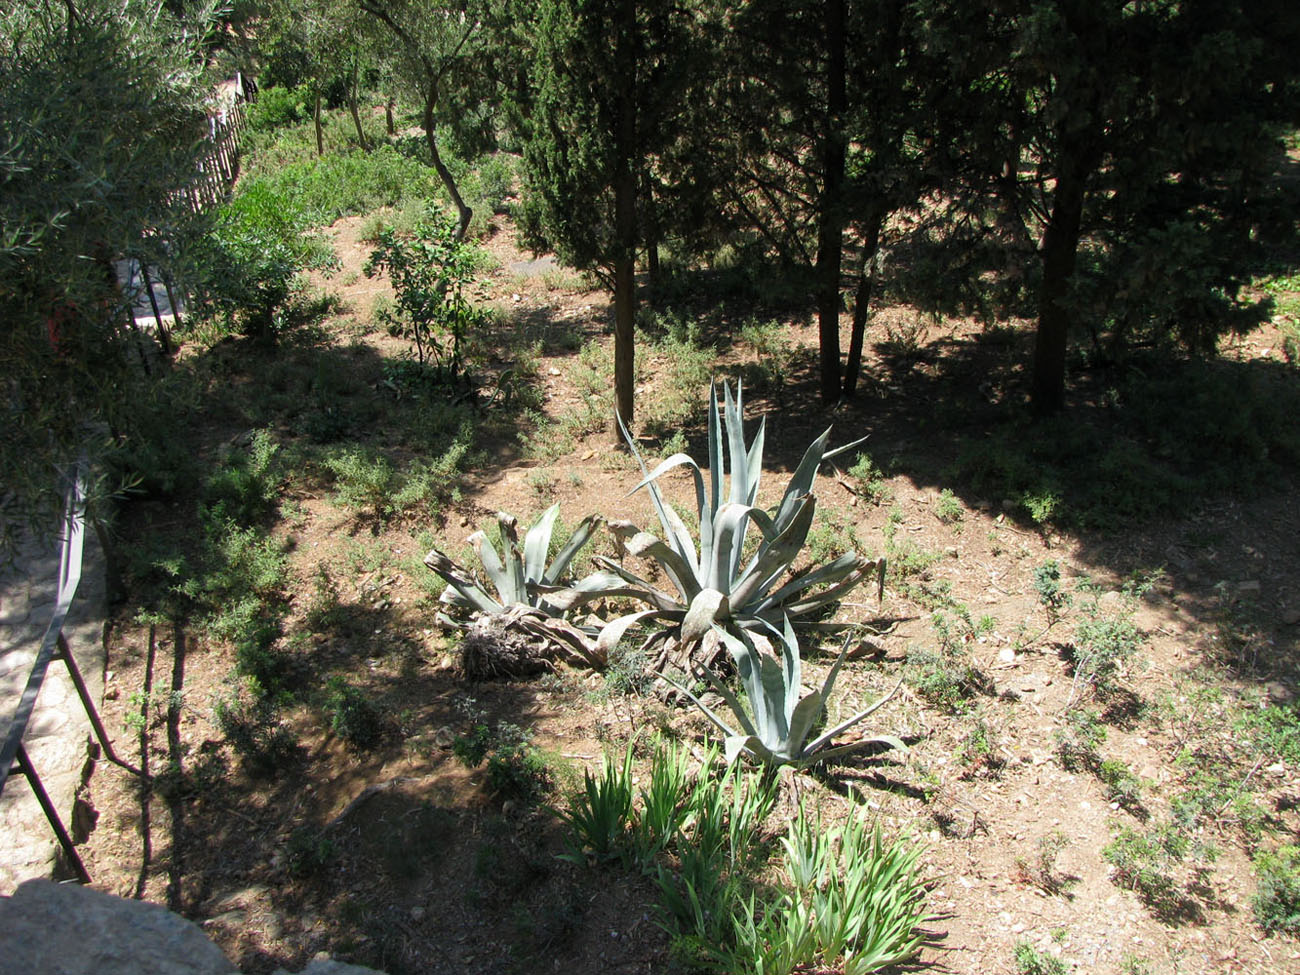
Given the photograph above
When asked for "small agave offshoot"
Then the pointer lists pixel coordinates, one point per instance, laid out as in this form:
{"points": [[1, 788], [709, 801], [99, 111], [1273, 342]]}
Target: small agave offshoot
{"points": [[524, 581], [777, 726]]}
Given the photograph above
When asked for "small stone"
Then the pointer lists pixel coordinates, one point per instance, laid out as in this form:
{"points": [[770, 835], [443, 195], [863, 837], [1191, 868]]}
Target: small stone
{"points": [[1250, 585], [1279, 693], [417, 913], [1007, 655], [552, 371]]}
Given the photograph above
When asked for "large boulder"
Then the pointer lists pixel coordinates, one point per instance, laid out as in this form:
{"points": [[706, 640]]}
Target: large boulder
{"points": [[66, 929]]}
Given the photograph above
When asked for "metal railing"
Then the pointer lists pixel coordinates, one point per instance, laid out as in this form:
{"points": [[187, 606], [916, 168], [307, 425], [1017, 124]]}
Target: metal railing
{"points": [[54, 646]]}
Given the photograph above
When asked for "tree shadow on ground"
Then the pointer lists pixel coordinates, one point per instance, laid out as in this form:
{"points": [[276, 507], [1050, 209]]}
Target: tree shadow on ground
{"points": [[1156, 464]]}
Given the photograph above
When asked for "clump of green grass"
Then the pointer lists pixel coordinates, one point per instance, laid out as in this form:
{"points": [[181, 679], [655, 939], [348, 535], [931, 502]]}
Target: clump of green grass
{"points": [[844, 900], [1031, 961]]}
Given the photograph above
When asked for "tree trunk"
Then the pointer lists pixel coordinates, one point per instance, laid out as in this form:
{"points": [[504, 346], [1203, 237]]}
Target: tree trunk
{"points": [[830, 218], [862, 303], [388, 116], [431, 136], [1060, 247], [625, 224], [320, 134], [362, 141], [652, 266]]}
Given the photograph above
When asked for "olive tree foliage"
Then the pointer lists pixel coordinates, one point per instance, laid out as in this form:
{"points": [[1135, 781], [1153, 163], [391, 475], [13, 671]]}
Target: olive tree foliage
{"points": [[325, 44], [442, 58], [99, 124]]}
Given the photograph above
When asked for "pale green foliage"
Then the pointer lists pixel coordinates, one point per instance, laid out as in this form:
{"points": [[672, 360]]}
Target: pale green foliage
{"points": [[1030, 961], [777, 726], [519, 576], [716, 580], [1277, 903]]}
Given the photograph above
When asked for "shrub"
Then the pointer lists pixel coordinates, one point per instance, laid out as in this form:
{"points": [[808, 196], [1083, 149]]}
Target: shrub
{"points": [[429, 272], [352, 715], [1277, 900], [247, 265], [277, 107], [344, 183], [1103, 642], [250, 723]]}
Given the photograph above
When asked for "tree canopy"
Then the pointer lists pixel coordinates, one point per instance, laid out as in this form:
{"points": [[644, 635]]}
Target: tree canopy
{"points": [[99, 125]]}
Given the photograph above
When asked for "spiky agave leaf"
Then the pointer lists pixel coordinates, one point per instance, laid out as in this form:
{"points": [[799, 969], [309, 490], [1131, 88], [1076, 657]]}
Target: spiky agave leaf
{"points": [[521, 576], [726, 510], [775, 726]]}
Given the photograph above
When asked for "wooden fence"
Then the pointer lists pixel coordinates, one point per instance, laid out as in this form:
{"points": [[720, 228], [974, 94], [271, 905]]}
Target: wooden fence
{"points": [[215, 174]]}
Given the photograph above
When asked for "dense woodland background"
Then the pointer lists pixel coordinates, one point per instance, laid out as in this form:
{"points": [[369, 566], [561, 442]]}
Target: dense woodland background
{"points": [[1043, 252]]}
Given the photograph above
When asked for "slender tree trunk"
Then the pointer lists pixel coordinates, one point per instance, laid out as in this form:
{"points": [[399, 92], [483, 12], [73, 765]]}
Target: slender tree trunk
{"points": [[862, 302], [444, 174], [388, 116], [1060, 248], [830, 219], [320, 133], [652, 266], [625, 223], [362, 141]]}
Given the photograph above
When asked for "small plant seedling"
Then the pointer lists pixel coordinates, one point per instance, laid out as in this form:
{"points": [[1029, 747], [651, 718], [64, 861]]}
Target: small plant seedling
{"points": [[1047, 583], [948, 509], [1077, 742], [352, 715], [1122, 786], [1031, 961], [1041, 870], [869, 480]]}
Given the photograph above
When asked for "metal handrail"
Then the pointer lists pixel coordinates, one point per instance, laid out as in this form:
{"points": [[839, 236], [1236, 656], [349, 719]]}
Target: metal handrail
{"points": [[54, 646]]}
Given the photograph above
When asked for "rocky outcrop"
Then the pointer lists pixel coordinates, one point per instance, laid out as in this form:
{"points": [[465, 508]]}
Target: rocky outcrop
{"points": [[67, 929]]}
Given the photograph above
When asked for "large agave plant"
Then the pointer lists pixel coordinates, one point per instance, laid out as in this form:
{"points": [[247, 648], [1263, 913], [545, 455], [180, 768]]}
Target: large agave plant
{"points": [[777, 726], [714, 581], [520, 577]]}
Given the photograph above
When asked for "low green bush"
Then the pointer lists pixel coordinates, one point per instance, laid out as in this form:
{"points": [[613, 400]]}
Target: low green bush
{"points": [[1277, 900], [352, 715], [277, 107]]}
